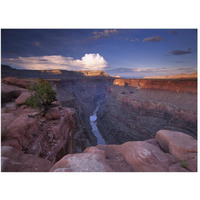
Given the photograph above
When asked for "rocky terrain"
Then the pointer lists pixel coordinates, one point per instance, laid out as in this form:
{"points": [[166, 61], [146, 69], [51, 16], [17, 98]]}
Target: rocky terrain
{"points": [[137, 109], [168, 152], [134, 117]]}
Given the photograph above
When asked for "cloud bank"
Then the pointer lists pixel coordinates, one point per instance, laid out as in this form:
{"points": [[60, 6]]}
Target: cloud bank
{"points": [[87, 62], [150, 71], [105, 33], [153, 39], [181, 52]]}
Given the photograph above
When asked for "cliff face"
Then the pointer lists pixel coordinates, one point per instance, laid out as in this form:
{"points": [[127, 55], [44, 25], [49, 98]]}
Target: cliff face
{"points": [[170, 85], [82, 95], [131, 113], [23, 128]]}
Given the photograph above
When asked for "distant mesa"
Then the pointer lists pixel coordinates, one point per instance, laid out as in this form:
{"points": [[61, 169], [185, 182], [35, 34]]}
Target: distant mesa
{"points": [[116, 76], [7, 71], [53, 71], [177, 76], [93, 73]]}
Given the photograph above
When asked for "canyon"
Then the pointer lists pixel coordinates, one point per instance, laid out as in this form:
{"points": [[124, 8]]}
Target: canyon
{"points": [[151, 118]]}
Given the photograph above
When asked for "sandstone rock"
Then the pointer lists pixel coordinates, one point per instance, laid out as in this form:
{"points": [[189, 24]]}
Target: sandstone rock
{"points": [[13, 160], [53, 113], [10, 92], [145, 157], [22, 98], [32, 133], [92, 161], [192, 164], [6, 119], [20, 129], [153, 141], [16, 81], [177, 167], [178, 144], [9, 107]]}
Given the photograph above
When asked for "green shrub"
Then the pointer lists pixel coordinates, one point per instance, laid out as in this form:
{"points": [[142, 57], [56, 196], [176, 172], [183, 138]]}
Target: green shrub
{"points": [[33, 102], [42, 95], [184, 164]]}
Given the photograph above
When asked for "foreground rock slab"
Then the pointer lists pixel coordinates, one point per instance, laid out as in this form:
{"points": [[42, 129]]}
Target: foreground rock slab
{"points": [[92, 160], [182, 146], [155, 155], [13, 160]]}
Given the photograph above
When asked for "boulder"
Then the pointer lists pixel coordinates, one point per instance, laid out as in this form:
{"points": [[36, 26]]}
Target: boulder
{"points": [[13, 160], [22, 98], [192, 164], [145, 157], [180, 145], [10, 92], [93, 160], [53, 113], [21, 128], [177, 167]]}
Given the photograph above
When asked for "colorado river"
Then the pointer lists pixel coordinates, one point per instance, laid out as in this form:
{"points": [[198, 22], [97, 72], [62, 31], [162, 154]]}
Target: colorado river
{"points": [[95, 130]]}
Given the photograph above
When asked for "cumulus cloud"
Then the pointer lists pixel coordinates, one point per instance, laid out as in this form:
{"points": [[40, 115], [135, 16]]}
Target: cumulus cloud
{"points": [[180, 52], [87, 62], [153, 39], [102, 34]]}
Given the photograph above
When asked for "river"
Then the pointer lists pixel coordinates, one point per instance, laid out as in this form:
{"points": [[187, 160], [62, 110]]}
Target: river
{"points": [[95, 129]]}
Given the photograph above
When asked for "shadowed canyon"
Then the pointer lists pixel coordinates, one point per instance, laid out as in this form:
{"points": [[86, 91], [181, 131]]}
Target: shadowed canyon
{"points": [[99, 123]]}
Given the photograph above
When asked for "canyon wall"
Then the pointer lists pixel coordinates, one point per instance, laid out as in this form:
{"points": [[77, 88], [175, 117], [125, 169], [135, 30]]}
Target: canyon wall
{"points": [[178, 85], [137, 109], [82, 95]]}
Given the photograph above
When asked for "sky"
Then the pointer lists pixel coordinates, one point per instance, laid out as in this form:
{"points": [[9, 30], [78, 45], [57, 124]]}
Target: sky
{"points": [[129, 53]]}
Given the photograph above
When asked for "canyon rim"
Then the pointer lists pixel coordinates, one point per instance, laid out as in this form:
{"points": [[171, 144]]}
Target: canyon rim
{"points": [[106, 117]]}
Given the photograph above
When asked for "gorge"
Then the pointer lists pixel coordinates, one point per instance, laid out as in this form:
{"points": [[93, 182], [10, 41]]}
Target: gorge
{"points": [[93, 109]]}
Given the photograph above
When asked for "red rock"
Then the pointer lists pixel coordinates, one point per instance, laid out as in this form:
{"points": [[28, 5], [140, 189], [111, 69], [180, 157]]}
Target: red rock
{"points": [[180, 145], [53, 113], [153, 141], [172, 85], [177, 168], [94, 161], [21, 129], [16, 161], [16, 81], [145, 157], [192, 164], [9, 92], [22, 98], [6, 119]]}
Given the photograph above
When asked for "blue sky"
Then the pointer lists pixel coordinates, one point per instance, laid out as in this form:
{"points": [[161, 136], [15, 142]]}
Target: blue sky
{"points": [[131, 53]]}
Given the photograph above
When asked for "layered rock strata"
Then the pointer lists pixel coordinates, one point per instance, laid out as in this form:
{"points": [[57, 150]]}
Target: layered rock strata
{"points": [[129, 113]]}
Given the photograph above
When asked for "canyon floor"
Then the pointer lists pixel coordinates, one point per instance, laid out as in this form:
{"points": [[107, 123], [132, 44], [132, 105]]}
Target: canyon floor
{"points": [[144, 125]]}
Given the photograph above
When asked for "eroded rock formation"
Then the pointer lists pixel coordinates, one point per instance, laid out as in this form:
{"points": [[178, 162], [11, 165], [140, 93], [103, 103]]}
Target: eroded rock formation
{"points": [[136, 156], [132, 113]]}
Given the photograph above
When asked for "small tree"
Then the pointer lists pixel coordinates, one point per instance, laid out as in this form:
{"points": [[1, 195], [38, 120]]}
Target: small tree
{"points": [[42, 95]]}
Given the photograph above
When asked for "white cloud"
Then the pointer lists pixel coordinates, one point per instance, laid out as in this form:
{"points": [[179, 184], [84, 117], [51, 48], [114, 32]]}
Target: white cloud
{"points": [[87, 62], [105, 33]]}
